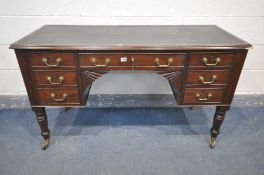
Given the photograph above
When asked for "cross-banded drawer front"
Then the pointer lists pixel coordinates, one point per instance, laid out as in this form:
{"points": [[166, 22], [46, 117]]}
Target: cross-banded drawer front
{"points": [[59, 96], [207, 77], [124, 60], [203, 95], [52, 60], [210, 60], [55, 78]]}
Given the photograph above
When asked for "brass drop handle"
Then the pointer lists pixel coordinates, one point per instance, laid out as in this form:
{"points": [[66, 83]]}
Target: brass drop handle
{"points": [[50, 79], [64, 96], [107, 61], [198, 96], [157, 61], [214, 77], [58, 61], [205, 61]]}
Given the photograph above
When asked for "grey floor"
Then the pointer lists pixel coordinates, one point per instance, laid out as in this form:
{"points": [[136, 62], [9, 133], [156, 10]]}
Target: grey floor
{"points": [[130, 141]]}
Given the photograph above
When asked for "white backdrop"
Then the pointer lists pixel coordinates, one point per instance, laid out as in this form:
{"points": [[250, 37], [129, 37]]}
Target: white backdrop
{"points": [[242, 18]]}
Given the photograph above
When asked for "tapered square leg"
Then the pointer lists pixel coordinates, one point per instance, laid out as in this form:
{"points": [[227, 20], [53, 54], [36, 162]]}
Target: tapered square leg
{"points": [[43, 124], [218, 120]]}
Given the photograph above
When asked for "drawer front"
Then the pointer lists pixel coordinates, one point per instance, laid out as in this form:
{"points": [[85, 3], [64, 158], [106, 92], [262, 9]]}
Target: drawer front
{"points": [[210, 59], [59, 96], [52, 60], [207, 77], [153, 60], [203, 96], [55, 78]]}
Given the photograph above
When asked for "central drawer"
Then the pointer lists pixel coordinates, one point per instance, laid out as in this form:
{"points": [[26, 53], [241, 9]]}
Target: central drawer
{"points": [[128, 60]]}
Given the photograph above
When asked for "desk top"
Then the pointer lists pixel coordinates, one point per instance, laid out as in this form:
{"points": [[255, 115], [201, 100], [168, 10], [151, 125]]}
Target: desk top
{"points": [[181, 37]]}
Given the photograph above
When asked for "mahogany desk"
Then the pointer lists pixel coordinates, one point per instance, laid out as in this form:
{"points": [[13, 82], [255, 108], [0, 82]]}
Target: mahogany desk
{"points": [[59, 63]]}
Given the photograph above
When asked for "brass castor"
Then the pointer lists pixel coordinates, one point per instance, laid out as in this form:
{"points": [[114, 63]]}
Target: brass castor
{"points": [[45, 144], [212, 142]]}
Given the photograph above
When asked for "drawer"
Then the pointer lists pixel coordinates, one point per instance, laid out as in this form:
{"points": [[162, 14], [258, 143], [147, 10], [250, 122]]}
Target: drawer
{"points": [[153, 60], [207, 77], [58, 96], [52, 60], [55, 78], [202, 95], [210, 59]]}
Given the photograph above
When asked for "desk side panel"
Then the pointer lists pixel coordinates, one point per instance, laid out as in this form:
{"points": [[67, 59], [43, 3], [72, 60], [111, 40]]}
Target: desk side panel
{"points": [[237, 66], [23, 61]]}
